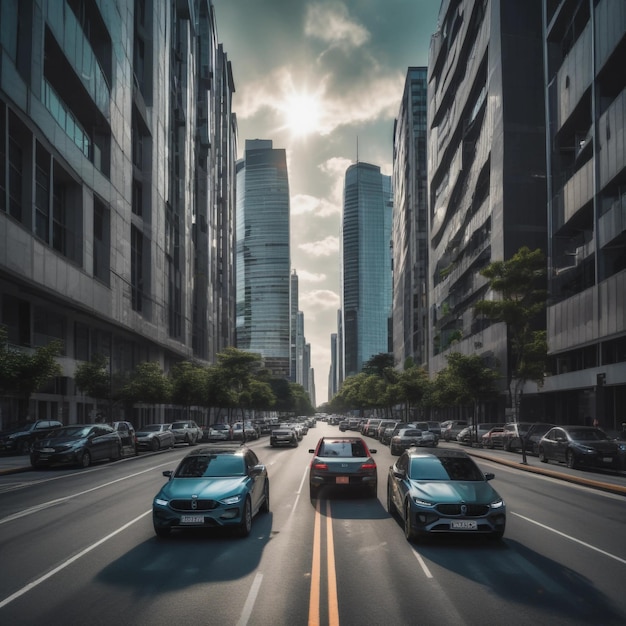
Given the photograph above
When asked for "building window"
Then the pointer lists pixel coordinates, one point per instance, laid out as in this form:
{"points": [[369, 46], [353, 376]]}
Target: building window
{"points": [[101, 241], [48, 326], [42, 198], [15, 177], [136, 268], [59, 219]]}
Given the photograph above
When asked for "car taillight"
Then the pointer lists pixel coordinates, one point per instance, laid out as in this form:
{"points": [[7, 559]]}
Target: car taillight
{"points": [[320, 466], [368, 466]]}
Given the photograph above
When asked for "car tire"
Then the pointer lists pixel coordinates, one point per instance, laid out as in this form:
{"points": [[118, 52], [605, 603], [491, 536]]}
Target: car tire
{"points": [[409, 531], [245, 526], [542, 455], [496, 535], [372, 491], [391, 508], [162, 531], [23, 447], [570, 460], [117, 454], [265, 507], [313, 492], [154, 445], [85, 459]]}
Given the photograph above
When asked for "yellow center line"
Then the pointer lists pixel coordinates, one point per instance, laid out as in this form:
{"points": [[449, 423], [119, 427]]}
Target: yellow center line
{"points": [[314, 598], [333, 605]]}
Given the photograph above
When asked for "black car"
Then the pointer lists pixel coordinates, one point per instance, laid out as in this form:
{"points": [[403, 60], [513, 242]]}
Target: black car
{"points": [[344, 462], [79, 444], [218, 485], [581, 446], [443, 492], [283, 436], [21, 437]]}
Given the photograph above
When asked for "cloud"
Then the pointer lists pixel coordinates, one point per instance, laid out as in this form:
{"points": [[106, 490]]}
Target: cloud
{"points": [[304, 204], [308, 277], [330, 22], [326, 247], [320, 299]]}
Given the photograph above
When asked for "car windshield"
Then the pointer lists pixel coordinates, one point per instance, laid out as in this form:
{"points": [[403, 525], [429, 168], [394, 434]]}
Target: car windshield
{"points": [[444, 468], [211, 466], [219, 427], [587, 434], [180, 425], [411, 432], [72, 431], [151, 428], [342, 448]]}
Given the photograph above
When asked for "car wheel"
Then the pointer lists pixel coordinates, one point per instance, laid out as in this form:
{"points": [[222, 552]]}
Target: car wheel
{"points": [[409, 532], [23, 447], [313, 492], [188, 439], [496, 535], [490, 445], [162, 531], [117, 453], [154, 445], [390, 505], [265, 507], [393, 450], [246, 519], [570, 459], [85, 459], [542, 456], [373, 491]]}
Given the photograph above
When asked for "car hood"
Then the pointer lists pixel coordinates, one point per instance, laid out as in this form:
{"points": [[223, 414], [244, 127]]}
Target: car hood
{"points": [[51, 442], [471, 491], [205, 488], [147, 433], [600, 446]]}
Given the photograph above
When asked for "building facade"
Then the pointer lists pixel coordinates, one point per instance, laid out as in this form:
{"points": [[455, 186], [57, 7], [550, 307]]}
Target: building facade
{"points": [[410, 223], [117, 161], [366, 265], [584, 52], [486, 167], [263, 256]]}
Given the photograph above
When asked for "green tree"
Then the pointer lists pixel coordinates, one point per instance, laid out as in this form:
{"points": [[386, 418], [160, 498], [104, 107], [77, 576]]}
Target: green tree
{"points": [[520, 284], [93, 378], [147, 383], [413, 387], [188, 384]]}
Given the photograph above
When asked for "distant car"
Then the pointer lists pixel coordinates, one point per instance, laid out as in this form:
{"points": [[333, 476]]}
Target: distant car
{"points": [[473, 434], [493, 438], [20, 438], [388, 432], [218, 432], [79, 444], [283, 436], [369, 427], [250, 431], [581, 446], [531, 432], [127, 434], [443, 491], [344, 462], [218, 485], [155, 437], [384, 424], [433, 427], [451, 428], [409, 437], [186, 431]]}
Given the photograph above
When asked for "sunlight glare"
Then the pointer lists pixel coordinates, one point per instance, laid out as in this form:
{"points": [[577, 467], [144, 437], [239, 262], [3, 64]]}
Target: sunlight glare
{"points": [[302, 114]]}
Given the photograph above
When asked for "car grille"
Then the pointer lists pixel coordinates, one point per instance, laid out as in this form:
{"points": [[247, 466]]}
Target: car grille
{"points": [[472, 510], [186, 505]]}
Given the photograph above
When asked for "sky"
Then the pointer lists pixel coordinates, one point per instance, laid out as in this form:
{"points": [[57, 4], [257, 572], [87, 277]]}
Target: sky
{"points": [[322, 79]]}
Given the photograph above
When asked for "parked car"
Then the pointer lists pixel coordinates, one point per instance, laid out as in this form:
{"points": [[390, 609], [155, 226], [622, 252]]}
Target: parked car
{"points": [[217, 485], [155, 437], [186, 431], [581, 446], [384, 424], [493, 438], [443, 491], [20, 437], [532, 432], [79, 444], [239, 428], [344, 462], [409, 437], [218, 432], [451, 428], [283, 436], [127, 434], [343, 425], [433, 427], [369, 427], [387, 434], [473, 434]]}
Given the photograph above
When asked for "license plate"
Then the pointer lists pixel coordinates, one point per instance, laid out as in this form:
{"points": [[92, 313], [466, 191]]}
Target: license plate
{"points": [[342, 480], [607, 459], [463, 525], [48, 450], [192, 519]]}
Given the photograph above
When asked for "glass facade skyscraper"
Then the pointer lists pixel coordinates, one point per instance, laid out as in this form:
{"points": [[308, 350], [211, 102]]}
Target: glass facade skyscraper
{"points": [[263, 255], [366, 265]]}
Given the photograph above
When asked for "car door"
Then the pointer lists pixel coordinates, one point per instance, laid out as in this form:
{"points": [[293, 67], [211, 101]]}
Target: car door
{"points": [[102, 440], [257, 480], [399, 483], [561, 444]]}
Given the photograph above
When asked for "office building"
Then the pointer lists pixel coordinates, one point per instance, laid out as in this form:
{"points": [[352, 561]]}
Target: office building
{"points": [[263, 256], [366, 265]]}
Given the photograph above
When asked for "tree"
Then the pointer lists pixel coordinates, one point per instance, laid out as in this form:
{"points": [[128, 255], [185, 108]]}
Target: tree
{"points": [[93, 378], [520, 283], [188, 384], [147, 383], [413, 385]]}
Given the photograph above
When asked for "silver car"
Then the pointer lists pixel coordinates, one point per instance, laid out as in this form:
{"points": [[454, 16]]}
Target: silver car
{"points": [[186, 431], [155, 437]]}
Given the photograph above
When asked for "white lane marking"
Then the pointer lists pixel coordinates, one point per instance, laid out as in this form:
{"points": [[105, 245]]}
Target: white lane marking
{"points": [[578, 541], [422, 563], [251, 599], [50, 503], [71, 560]]}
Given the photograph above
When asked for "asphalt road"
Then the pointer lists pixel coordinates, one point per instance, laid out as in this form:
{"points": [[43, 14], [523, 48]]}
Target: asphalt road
{"points": [[78, 547]]}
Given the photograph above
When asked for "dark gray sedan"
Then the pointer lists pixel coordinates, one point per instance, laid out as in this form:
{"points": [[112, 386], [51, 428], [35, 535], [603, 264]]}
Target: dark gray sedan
{"points": [[155, 437]]}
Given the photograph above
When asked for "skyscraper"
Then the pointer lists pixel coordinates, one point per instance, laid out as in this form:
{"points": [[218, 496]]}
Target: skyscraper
{"points": [[263, 255], [366, 265]]}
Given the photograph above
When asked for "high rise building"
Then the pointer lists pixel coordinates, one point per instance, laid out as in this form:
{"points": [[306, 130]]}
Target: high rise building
{"points": [[263, 256], [117, 161], [585, 47], [410, 223], [486, 167], [366, 265]]}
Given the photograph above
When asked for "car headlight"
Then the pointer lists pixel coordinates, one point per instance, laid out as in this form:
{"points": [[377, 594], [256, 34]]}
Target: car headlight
{"points": [[497, 504], [622, 447], [421, 502], [584, 449], [231, 500], [160, 501]]}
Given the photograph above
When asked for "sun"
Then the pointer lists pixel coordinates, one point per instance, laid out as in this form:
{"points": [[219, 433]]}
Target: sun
{"points": [[302, 114]]}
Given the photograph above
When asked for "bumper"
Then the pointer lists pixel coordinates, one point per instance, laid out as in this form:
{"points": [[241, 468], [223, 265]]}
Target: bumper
{"points": [[163, 517], [428, 521]]}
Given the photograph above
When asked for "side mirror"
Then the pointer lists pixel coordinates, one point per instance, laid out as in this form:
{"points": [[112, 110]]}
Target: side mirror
{"points": [[398, 473], [312, 451], [257, 470], [490, 476], [372, 451], [168, 473]]}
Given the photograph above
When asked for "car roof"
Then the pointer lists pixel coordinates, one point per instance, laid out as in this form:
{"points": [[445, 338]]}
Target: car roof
{"points": [[219, 448], [438, 452]]}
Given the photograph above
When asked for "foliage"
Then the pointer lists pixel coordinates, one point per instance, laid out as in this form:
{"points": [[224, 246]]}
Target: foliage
{"points": [[188, 381], [147, 383], [93, 378]]}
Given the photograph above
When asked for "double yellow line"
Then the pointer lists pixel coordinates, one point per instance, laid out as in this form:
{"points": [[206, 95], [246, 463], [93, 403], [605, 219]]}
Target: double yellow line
{"points": [[316, 568]]}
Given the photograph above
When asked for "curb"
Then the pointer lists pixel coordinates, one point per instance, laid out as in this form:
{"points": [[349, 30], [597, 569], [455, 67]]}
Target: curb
{"points": [[587, 482]]}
